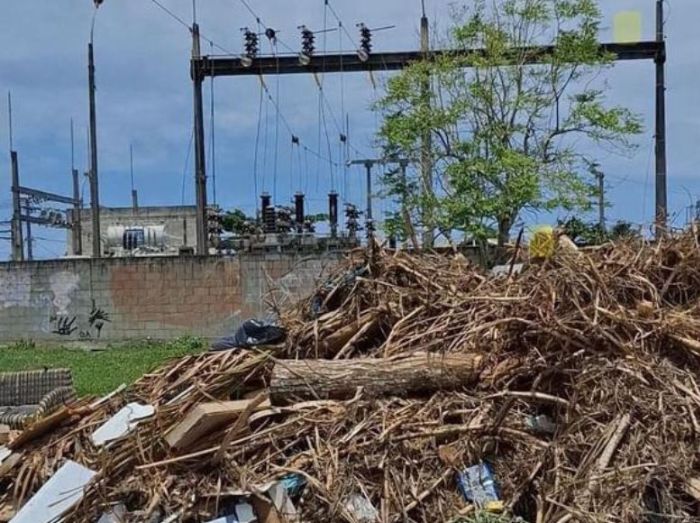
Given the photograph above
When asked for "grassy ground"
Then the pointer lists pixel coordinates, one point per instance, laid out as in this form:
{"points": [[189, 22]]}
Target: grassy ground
{"points": [[98, 372]]}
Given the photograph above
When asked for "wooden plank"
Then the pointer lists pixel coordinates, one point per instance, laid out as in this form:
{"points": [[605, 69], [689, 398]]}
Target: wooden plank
{"points": [[204, 418]]}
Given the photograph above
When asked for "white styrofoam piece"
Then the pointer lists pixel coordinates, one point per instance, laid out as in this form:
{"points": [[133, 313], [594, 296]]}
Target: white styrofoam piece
{"points": [[245, 513], [58, 494], [4, 453], [122, 423], [116, 514]]}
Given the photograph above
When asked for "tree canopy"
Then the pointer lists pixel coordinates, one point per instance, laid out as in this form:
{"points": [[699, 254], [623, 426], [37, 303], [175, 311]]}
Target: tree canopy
{"points": [[507, 135]]}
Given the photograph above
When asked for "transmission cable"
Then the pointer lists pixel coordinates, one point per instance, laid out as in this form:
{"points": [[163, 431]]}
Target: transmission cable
{"points": [[273, 47], [187, 162], [189, 28], [340, 22], [257, 144]]}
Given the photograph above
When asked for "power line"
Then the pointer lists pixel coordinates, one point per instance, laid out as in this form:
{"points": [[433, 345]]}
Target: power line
{"points": [[285, 122], [340, 22], [257, 144], [250, 10], [187, 162], [189, 28], [172, 15]]}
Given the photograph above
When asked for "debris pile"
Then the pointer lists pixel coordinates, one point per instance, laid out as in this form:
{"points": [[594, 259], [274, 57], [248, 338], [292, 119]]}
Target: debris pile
{"points": [[417, 388]]}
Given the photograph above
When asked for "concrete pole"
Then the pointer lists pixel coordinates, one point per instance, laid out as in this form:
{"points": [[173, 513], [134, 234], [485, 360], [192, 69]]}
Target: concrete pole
{"points": [[368, 166], [200, 166], [16, 229], [30, 249], [94, 188], [77, 231], [134, 194], [661, 181]]}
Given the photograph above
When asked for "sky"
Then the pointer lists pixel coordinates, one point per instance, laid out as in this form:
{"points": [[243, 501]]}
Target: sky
{"points": [[144, 99]]}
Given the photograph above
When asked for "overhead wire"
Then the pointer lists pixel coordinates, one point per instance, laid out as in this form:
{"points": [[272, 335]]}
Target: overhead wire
{"points": [[257, 144], [322, 95], [288, 127], [189, 28], [187, 162], [273, 45], [340, 22]]}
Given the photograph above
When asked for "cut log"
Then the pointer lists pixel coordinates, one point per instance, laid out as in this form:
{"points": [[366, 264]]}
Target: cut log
{"points": [[400, 376], [205, 418]]}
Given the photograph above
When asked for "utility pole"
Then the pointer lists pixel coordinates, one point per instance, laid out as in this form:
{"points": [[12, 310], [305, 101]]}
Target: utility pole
{"points": [[200, 166], [369, 164], [403, 165], [16, 224], [77, 230], [94, 189], [594, 169], [426, 164], [134, 194], [661, 181], [30, 250], [16, 232]]}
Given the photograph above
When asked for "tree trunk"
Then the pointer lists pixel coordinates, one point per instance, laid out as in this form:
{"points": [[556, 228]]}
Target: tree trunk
{"points": [[402, 376], [504, 226]]}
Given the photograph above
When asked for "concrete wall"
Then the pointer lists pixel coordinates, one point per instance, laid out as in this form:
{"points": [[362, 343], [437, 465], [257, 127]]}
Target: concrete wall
{"points": [[179, 222], [117, 299]]}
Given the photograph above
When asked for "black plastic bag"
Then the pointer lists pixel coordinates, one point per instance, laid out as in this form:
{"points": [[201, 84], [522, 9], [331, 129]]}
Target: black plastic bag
{"points": [[251, 333]]}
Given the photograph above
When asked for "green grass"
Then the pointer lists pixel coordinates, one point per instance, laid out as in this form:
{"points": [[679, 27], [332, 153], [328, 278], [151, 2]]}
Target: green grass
{"points": [[98, 372]]}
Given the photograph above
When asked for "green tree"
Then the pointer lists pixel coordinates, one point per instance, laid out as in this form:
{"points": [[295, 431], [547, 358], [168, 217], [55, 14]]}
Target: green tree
{"points": [[586, 233], [236, 222], [506, 133]]}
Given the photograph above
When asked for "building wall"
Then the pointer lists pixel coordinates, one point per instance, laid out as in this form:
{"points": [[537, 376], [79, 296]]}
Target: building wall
{"points": [[179, 221], [117, 299]]}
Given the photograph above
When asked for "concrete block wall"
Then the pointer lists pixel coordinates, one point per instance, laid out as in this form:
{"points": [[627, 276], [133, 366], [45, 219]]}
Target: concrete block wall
{"points": [[117, 299]]}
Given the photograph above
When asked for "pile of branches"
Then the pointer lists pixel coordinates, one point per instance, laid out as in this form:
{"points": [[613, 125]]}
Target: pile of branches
{"points": [[585, 402]]}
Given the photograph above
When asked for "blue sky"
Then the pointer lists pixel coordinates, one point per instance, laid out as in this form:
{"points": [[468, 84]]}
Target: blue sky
{"points": [[145, 98]]}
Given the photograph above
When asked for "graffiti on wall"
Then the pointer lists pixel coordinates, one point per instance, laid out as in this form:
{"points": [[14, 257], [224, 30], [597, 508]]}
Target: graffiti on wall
{"points": [[63, 287], [87, 329]]}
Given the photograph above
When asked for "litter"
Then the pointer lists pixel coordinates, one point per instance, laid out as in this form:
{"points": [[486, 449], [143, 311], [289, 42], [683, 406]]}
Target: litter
{"points": [[116, 514], [604, 344], [541, 424], [58, 494], [361, 509], [478, 486], [121, 423], [252, 333]]}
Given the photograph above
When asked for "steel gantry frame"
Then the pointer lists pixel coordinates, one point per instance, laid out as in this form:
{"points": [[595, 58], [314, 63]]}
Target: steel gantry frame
{"points": [[202, 67]]}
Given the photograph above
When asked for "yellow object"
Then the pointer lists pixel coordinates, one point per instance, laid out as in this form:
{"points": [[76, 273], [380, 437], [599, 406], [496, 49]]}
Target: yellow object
{"points": [[542, 243], [627, 27], [494, 506]]}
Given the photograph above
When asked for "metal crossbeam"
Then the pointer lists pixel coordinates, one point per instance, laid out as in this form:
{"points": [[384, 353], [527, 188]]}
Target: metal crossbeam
{"points": [[43, 195], [43, 221], [206, 66], [202, 67]]}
